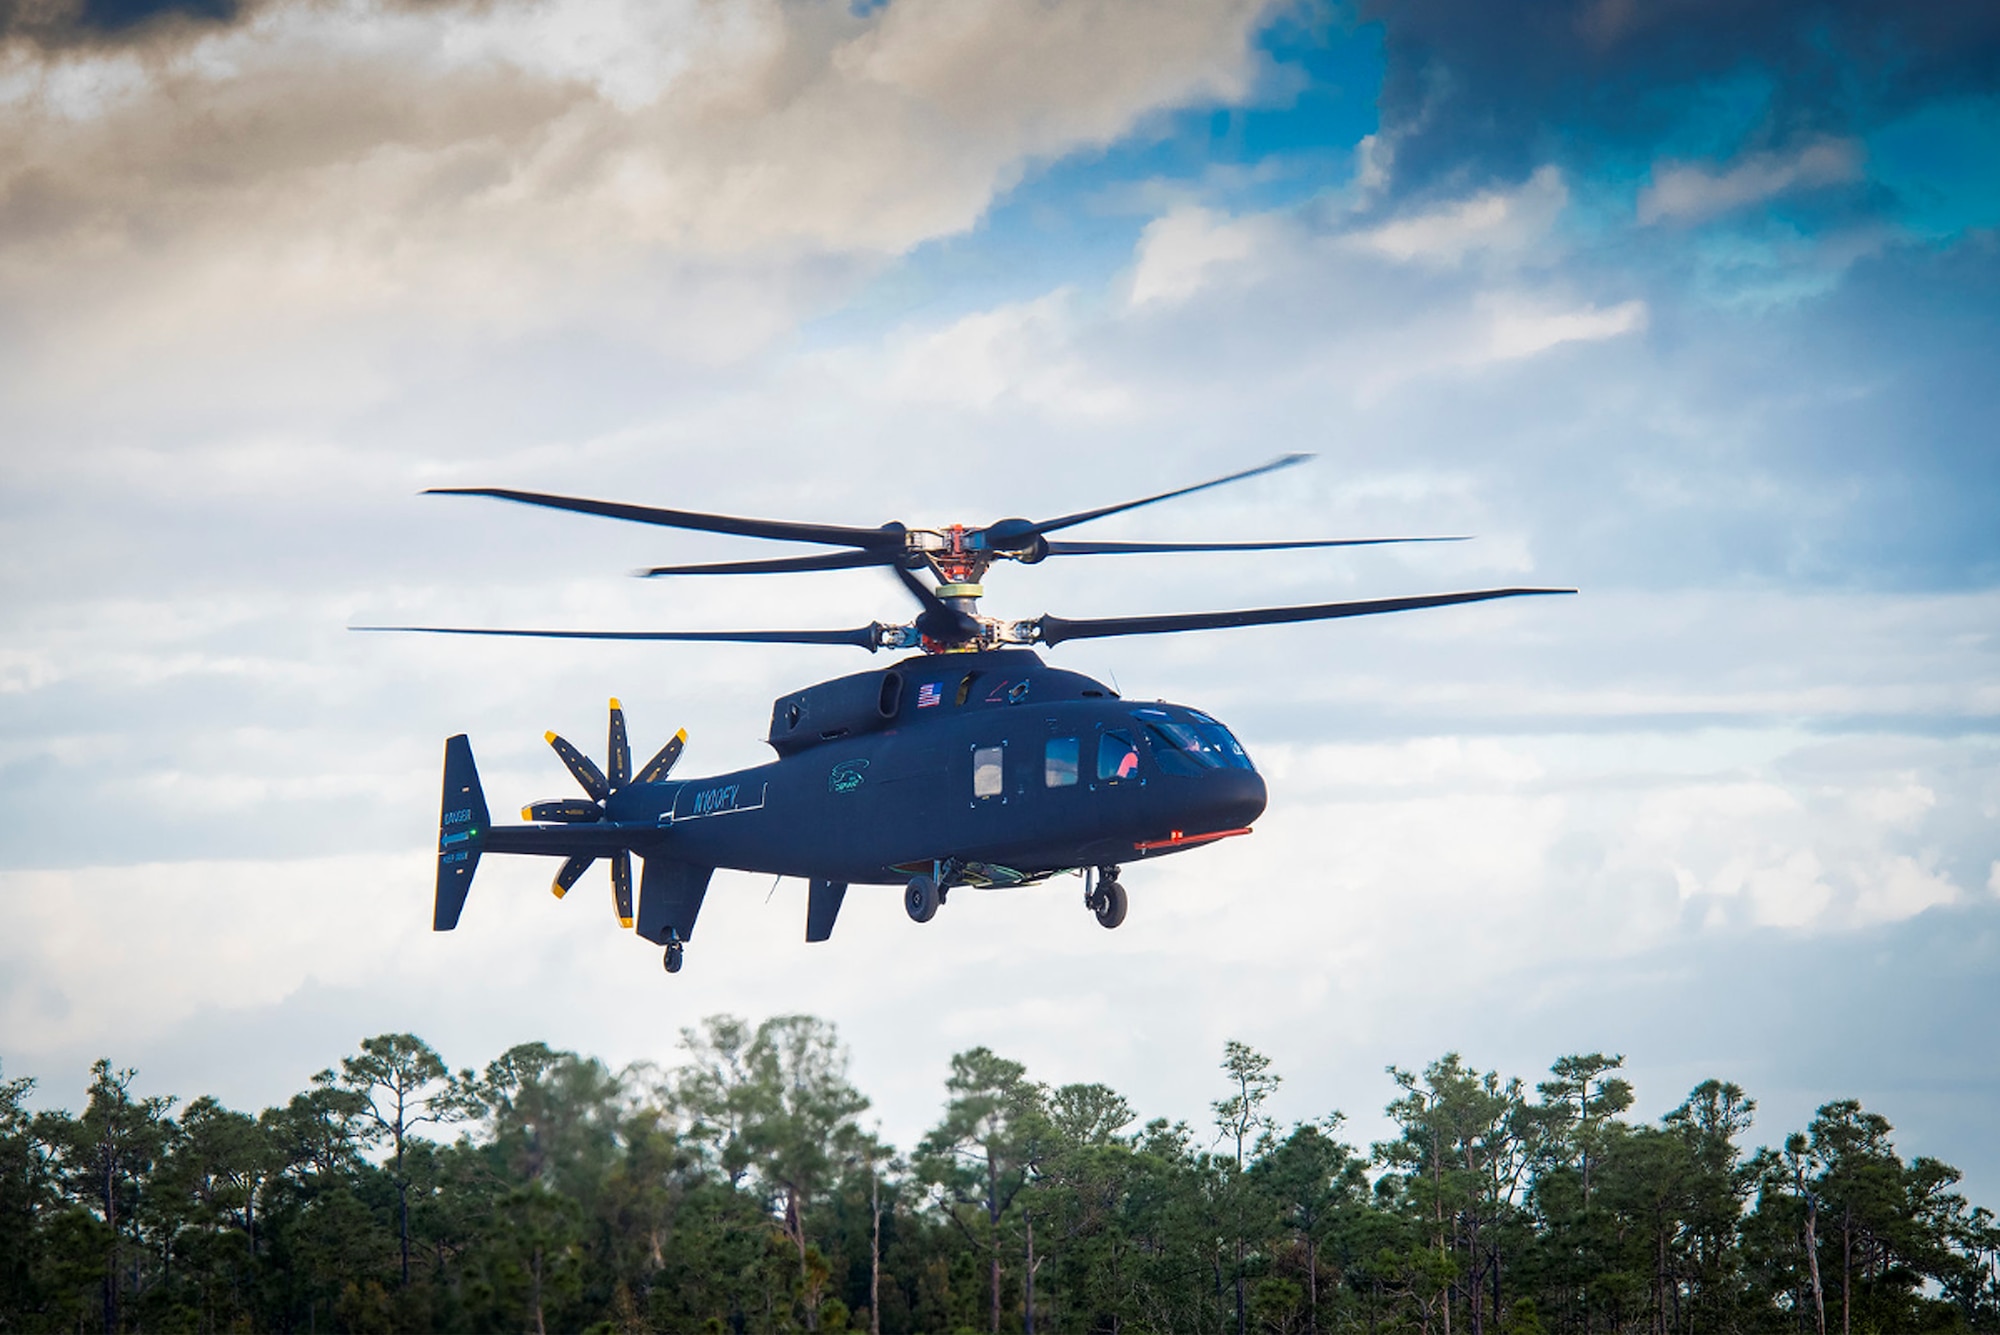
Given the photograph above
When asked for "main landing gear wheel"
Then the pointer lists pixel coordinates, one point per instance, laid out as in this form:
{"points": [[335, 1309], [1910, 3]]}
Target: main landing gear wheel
{"points": [[921, 898], [672, 961], [1109, 904]]}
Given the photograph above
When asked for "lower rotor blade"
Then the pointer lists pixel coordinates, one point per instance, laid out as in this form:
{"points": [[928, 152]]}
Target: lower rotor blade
{"points": [[617, 750], [861, 637], [1054, 629], [662, 764], [1122, 548], [780, 565], [621, 886], [569, 874], [582, 766]]}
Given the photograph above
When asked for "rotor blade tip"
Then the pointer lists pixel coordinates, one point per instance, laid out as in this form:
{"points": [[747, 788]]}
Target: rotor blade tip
{"points": [[681, 736], [549, 737], [615, 704]]}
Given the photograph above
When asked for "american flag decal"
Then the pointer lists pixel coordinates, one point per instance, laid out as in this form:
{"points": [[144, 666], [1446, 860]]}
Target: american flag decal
{"points": [[929, 693]]}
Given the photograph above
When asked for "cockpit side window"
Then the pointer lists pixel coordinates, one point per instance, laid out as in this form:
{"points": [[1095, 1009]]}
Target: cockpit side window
{"points": [[1059, 762], [1117, 757]]}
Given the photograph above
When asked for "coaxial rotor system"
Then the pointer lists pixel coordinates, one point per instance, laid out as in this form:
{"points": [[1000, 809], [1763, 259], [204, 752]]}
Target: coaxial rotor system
{"points": [[957, 557]]}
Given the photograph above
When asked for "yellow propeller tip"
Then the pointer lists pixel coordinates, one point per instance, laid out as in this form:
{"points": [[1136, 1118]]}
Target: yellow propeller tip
{"points": [[527, 813], [681, 736], [548, 737], [615, 704], [625, 922], [557, 890]]}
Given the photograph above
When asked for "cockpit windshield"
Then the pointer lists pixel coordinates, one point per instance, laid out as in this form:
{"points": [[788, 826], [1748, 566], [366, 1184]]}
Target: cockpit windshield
{"points": [[1207, 743]]}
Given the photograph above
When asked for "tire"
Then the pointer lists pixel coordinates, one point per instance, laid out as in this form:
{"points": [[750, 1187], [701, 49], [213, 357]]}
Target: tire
{"points": [[920, 899], [1110, 904], [672, 960]]}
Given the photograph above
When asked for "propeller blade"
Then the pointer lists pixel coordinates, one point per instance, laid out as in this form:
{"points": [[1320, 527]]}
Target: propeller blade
{"points": [[662, 764], [861, 637], [1011, 534], [582, 766], [1054, 629], [1124, 548], [888, 537], [564, 811], [570, 873], [781, 565], [940, 621], [617, 750], [621, 886]]}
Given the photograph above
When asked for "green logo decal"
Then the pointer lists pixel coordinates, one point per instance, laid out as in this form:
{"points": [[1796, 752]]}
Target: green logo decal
{"points": [[847, 776]]}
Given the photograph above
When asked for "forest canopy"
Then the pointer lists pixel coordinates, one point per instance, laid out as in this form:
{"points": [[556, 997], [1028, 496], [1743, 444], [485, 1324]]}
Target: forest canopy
{"points": [[741, 1190]]}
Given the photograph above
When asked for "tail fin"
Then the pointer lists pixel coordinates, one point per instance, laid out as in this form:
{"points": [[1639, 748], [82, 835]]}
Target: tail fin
{"points": [[462, 827]]}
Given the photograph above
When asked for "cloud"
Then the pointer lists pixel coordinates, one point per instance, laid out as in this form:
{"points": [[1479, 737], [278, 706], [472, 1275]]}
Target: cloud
{"points": [[1687, 192], [1478, 92], [700, 175], [1490, 220]]}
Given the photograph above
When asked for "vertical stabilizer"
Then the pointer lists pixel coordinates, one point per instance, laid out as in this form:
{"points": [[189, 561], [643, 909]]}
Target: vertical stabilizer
{"points": [[462, 826]]}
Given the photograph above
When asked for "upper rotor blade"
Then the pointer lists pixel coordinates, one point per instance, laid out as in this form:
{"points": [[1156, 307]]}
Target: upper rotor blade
{"points": [[1120, 548], [1084, 516], [832, 535], [781, 565], [617, 749], [1054, 629], [863, 637]]}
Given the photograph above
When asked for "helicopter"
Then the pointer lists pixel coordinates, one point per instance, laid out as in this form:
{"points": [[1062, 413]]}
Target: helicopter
{"points": [[969, 763]]}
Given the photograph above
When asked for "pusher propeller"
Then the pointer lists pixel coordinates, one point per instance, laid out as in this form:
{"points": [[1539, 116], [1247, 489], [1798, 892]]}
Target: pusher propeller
{"points": [[601, 787]]}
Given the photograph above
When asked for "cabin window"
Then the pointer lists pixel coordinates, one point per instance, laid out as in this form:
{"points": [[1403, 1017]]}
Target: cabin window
{"points": [[1117, 758], [989, 771], [1059, 762]]}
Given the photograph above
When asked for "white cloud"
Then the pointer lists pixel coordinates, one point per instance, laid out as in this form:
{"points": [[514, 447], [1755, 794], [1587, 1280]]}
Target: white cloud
{"points": [[1180, 253], [1505, 221], [1686, 192]]}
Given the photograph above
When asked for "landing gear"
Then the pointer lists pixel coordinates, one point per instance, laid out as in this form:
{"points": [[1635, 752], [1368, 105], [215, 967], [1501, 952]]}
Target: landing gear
{"points": [[672, 961], [1107, 898], [1110, 904], [921, 898]]}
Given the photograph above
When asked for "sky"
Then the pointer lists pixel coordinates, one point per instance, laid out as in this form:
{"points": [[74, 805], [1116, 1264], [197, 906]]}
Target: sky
{"points": [[1689, 305]]}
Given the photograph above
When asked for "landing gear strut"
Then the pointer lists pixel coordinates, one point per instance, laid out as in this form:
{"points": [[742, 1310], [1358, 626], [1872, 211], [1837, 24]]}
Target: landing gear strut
{"points": [[1107, 898], [672, 961]]}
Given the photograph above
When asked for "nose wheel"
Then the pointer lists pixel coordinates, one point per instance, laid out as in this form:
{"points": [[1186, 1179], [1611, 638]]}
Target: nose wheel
{"points": [[672, 960], [1106, 898]]}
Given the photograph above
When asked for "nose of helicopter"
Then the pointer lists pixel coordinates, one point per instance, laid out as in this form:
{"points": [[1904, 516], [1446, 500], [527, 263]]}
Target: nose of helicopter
{"points": [[1227, 799]]}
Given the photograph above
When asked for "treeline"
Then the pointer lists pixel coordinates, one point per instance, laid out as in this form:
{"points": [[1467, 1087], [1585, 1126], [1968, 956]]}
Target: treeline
{"points": [[740, 1190]]}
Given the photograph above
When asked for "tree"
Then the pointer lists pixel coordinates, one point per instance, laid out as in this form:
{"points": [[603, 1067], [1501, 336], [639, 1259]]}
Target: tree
{"points": [[978, 1155], [403, 1084], [1239, 1118], [105, 1155]]}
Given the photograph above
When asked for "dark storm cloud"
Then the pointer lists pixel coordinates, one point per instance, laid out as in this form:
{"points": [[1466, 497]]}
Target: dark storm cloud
{"points": [[1475, 90], [54, 24]]}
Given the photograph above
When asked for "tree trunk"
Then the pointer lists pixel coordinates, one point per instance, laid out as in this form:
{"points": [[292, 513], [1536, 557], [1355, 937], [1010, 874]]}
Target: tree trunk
{"points": [[1846, 1263], [1028, 1282], [875, 1257], [1312, 1285], [1812, 1262]]}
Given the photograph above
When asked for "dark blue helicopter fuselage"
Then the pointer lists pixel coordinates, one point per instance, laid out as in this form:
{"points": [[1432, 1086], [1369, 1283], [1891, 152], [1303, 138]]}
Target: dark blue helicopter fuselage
{"points": [[992, 760]]}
